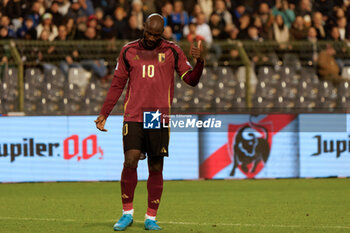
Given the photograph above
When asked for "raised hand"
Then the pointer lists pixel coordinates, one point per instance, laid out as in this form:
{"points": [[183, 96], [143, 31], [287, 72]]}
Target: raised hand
{"points": [[100, 123], [196, 52]]}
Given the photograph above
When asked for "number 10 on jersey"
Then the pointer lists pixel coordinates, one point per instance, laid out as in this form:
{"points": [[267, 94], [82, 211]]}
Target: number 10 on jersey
{"points": [[147, 70]]}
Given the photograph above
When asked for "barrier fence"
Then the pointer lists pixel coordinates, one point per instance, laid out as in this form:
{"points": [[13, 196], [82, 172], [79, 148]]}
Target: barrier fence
{"points": [[254, 77], [70, 148]]}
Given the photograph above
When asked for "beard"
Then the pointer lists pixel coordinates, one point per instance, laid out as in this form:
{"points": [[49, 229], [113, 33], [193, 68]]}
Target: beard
{"points": [[150, 44]]}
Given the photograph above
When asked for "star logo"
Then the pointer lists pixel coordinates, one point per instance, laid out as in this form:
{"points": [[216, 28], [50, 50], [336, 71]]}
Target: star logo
{"points": [[151, 120]]}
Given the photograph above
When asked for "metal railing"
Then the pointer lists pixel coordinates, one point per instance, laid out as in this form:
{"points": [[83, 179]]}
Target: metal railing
{"points": [[22, 54]]}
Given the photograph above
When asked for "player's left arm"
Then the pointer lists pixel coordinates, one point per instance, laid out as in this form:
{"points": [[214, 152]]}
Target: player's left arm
{"points": [[192, 77]]}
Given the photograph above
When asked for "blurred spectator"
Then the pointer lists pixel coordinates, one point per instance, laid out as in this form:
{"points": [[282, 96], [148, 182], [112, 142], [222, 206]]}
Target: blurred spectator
{"points": [[178, 19], [106, 6], [312, 35], [80, 27], [334, 35], [99, 15], [168, 33], [312, 38], [108, 30], [327, 67], [237, 13], [71, 29], [57, 17], [48, 26], [192, 35], [298, 30], [120, 23], [196, 10], [97, 66], [167, 10], [4, 33], [325, 7], [269, 3], [93, 22], [264, 13], [5, 22], [62, 33], [12, 9], [280, 30], [233, 34], [217, 27], [282, 8], [258, 25], [87, 7], [149, 7], [207, 7], [44, 35], [342, 27], [304, 9], [35, 13], [253, 34], [27, 31], [189, 6], [132, 32], [225, 15], [136, 10], [317, 23], [90, 34], [63, 6], [75, 11], [202, 29], [244, 23]]}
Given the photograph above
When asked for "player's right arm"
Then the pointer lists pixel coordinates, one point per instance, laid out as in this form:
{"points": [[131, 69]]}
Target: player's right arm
{"points": [[119, 81]]}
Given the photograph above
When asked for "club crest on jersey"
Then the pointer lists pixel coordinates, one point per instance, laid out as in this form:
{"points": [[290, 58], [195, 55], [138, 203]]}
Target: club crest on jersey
{"points": [[161, 57]]}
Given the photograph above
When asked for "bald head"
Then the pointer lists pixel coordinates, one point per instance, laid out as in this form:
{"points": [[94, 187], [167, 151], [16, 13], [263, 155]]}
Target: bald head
{"points": [[153, 29], [155, 23]]}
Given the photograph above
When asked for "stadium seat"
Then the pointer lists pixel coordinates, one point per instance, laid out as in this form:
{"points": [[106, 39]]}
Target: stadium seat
{"points": [[265, 90], [53, 93], [283, 103], [288, 74], [34, 77], [344, 89], [327, 90], [10, 77], [79, 76], [73, 93], [55, 77], [226, 75], [308, 73], [308, 89], [346, 72], [205, 92], [31, 93], [95, 92], [291, 60], [306, 104], [262, 103]]}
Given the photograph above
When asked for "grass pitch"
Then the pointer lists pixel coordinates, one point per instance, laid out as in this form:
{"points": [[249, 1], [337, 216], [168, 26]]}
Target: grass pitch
{"points": [[304, 205]]}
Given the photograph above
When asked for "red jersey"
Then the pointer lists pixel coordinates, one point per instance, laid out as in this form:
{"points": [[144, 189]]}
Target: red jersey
{"points": [[150, 77]]}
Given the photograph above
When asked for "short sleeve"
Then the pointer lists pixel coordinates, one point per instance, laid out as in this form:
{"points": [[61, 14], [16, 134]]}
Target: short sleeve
{"points": [[183, 65], [122, 67]]}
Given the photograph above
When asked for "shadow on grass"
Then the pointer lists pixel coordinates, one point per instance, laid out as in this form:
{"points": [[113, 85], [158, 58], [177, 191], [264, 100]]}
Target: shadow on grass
{"points": [[107, 225]]}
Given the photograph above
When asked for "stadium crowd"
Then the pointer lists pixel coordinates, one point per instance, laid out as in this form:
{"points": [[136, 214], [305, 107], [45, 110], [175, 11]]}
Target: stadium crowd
{"points": [[279, 20]]}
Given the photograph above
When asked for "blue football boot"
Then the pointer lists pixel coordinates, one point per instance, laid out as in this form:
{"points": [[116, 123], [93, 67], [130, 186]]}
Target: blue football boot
{"points": [[125, 221], [152, 225]]}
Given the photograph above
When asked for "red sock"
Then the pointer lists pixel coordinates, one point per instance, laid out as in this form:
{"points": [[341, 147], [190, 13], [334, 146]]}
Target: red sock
{"points": [[128, 184], [155, 189]]}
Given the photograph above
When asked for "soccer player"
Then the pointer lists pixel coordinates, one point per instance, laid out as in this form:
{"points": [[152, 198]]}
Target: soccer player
{"points": [[148, 65]]}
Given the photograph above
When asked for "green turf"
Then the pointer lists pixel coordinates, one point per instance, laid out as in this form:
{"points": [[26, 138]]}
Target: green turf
{"points": [[304, 205]]}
